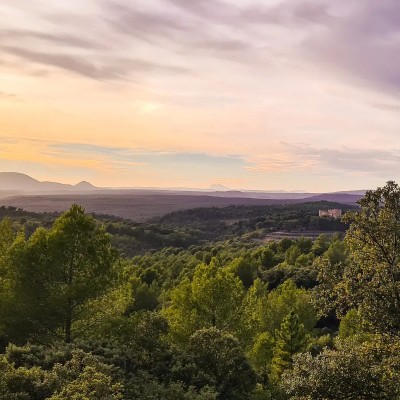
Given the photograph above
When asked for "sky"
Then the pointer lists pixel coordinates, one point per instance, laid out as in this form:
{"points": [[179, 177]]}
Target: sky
{"points": [[249, 94]]}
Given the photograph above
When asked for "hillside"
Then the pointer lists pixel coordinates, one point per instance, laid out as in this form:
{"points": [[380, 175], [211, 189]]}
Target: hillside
{"points": [[195, 226], [138, 207], [16, 182]]}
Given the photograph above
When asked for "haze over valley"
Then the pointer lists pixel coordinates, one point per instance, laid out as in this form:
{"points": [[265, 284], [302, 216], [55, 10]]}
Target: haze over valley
{"points": [[141, 204]]}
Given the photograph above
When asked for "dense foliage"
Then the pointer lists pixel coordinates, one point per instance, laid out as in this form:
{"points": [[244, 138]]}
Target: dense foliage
{"points": [[195, 306]]}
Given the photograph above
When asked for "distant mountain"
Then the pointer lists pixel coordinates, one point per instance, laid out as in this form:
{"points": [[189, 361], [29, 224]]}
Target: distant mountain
{"points": [[356, 192], [16, 182], [344, 198], [84, 185]]}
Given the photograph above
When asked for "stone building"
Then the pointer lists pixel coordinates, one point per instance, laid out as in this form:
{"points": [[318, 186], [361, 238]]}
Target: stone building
{"points": [[333, 213]]}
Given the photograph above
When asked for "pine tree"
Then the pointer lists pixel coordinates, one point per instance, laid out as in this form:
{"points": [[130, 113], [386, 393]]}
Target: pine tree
{"points": [[291, 339], [57, 275]]}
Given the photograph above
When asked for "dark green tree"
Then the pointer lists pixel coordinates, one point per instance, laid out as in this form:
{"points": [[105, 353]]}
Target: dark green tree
{"points": [[58, 275], [291, 339], [320, 245], [220, 362]]}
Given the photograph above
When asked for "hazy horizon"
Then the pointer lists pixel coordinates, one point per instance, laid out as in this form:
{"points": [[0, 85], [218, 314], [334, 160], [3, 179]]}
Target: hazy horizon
{"points": [[211, 188], [253, 95]]}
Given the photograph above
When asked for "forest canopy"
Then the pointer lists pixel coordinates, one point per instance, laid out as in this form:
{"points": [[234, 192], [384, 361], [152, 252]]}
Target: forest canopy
{"points": [[96, 307]]}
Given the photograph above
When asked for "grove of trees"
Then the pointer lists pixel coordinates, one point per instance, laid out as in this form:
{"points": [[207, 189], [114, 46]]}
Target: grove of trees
{"points": [[207, 315]]}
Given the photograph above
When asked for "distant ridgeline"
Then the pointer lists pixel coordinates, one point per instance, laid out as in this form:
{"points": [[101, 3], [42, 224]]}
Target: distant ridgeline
{"points": [[185, 228]]}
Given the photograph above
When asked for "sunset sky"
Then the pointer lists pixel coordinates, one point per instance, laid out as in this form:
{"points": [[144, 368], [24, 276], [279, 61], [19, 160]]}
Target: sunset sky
{"points": [[251, 94]]}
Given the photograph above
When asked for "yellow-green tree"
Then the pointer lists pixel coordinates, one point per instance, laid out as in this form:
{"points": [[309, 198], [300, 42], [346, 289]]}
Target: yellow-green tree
{"points": [[212, 299], [261, 355], [7, 238], [355, 371], [370, 280], [277, 304]]}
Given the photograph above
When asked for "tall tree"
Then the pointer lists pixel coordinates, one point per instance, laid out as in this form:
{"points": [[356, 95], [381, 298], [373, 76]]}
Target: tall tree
{"points": [[7, 238], [291, 339], [370, 280], [57, 273], [277, 304], [261, 355]]}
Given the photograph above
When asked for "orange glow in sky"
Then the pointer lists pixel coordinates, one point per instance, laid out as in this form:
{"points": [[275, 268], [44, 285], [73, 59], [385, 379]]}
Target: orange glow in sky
{"points": [[279, 94]]}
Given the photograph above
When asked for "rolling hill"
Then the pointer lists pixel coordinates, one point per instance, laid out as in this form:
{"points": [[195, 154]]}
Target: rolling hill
{"points": [[17, 182]]}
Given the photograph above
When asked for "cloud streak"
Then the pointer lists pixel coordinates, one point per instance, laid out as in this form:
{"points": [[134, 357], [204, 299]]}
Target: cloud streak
{"points": [[349, 160], [357, 39], [8, 96]]}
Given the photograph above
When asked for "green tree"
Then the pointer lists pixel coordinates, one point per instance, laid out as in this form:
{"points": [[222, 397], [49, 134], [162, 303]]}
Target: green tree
{"points": [[22, 383], [220, 363], [353, 326], [250, 322], [292, 254], [143, 388], [84, 377], [212, 299], [304, 244], [370, 281], [354, 372], [267, 258], [143, 296], [58, 275], [7, 238], [336, 253], [320, 245], [245, 268], [302, 261], [291, 339], [261, 355], [277, 304]]}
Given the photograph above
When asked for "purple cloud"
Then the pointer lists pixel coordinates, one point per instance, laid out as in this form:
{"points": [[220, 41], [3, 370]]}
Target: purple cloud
{"points": [[361, 43], [356, 40]]}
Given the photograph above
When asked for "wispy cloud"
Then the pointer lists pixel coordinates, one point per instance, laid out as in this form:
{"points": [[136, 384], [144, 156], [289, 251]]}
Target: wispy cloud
{"points": [[281, 162], [361, 42], [144, 157], [56, 39], [95, 69], [179, 87], [8, 96], [387, 107], [350, 160], [358, 39]]}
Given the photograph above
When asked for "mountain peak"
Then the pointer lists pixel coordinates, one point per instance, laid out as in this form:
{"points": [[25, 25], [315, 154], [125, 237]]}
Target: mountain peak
{"points": [[84, 185], [16, 175], [15, 181]]}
